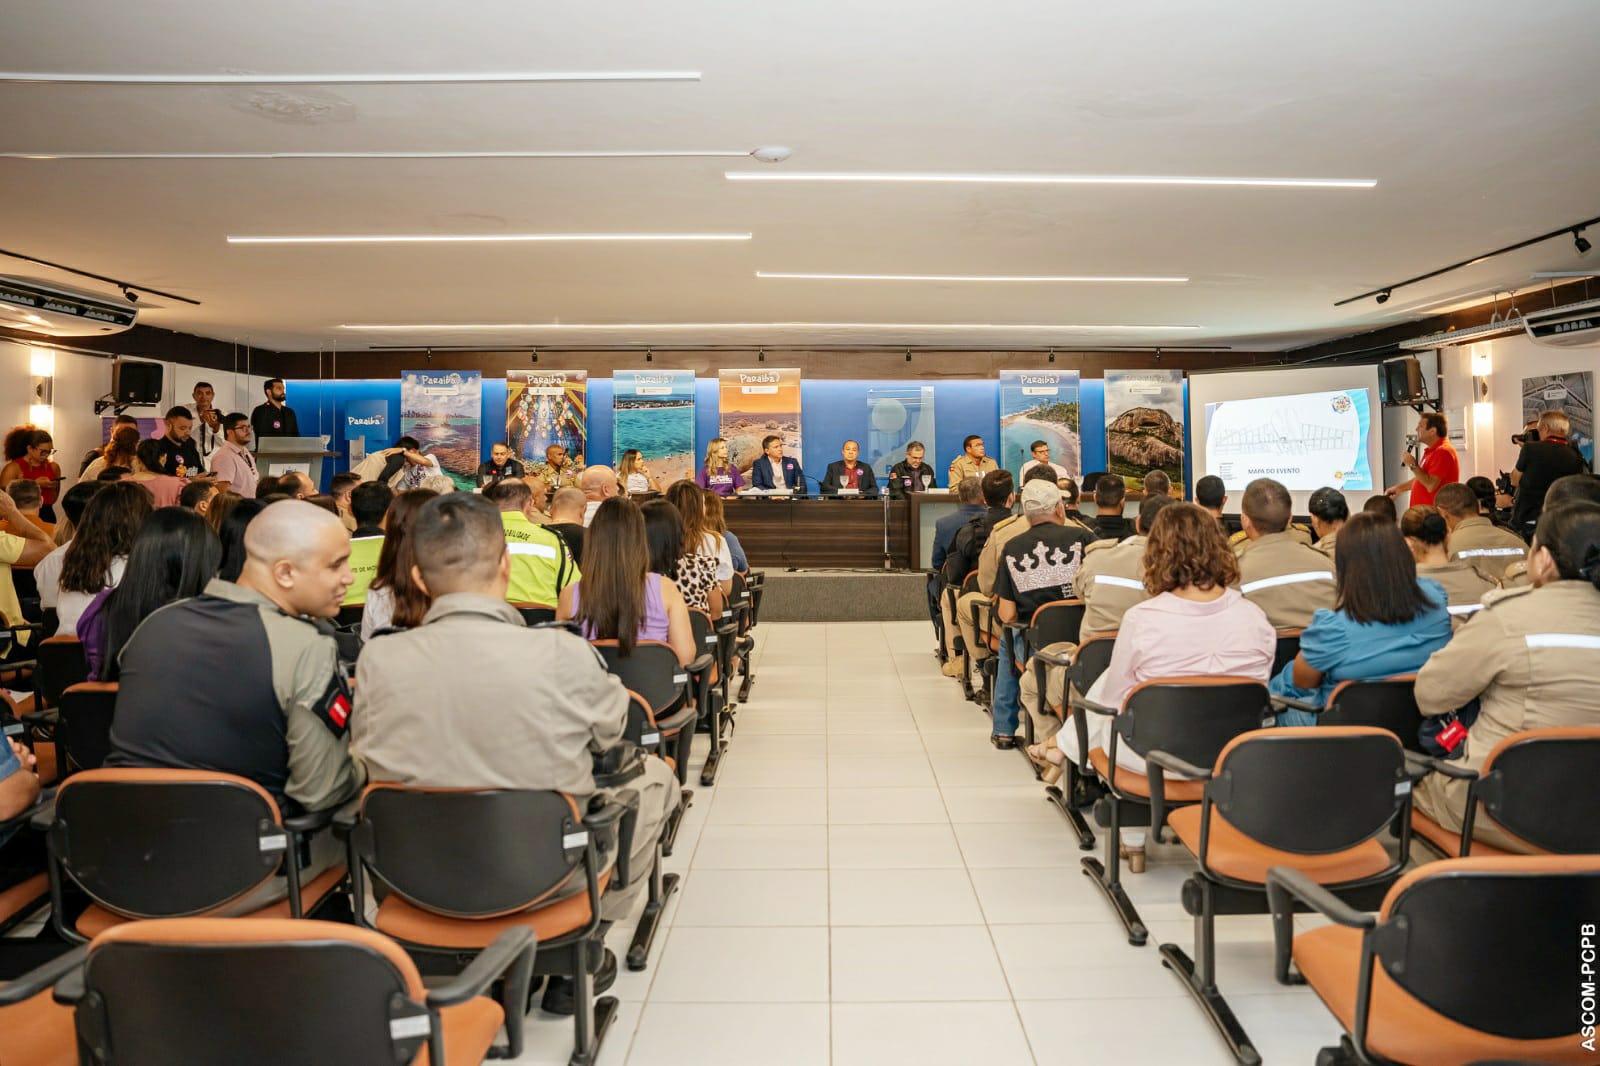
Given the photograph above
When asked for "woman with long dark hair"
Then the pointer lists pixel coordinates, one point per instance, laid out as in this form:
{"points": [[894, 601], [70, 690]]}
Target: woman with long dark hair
{"points": [[699, 538], [1385, 620], [173, 557], [27, 457], [620, 597], [694, 575], [231, 534], [99, 550], [394, 599]]}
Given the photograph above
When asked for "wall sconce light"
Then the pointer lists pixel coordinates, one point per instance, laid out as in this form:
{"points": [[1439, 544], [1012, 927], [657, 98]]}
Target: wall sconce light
{"points": [[41, 406], [1482, 361]]}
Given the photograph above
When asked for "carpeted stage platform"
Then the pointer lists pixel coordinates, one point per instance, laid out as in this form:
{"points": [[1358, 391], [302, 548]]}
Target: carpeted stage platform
{"points": [[844, 596]]}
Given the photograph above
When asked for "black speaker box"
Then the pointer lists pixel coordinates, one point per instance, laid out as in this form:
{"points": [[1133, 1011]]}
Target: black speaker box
{"points": [[136, 383], [1402, 381]]}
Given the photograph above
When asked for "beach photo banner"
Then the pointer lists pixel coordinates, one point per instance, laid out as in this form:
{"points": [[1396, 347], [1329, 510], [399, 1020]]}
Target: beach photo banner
{"points": [[896, 416], [1039, 405], [544, 408], [444, 411], [1572, 393], [1144, 425], [654, 412], [758, 403]]}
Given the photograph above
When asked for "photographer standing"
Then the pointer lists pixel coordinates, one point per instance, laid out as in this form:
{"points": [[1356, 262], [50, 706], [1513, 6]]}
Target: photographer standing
{"points": [[1439, 466], [1539, 463]]}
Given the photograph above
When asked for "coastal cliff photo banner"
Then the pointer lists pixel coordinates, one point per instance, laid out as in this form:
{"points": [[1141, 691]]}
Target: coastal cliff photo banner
{"points": [[544, 408], [1144, 425], [444, 411], [758, 403], [1039, 405], [654, 412]]}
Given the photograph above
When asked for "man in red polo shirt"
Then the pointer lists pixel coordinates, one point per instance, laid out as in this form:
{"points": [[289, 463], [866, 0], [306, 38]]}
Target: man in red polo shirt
{"points": [[1439, 466]]}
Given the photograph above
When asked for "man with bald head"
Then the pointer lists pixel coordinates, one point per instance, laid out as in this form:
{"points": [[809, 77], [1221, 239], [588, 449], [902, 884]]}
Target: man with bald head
{"points": [[282, 716], [599, 484]]}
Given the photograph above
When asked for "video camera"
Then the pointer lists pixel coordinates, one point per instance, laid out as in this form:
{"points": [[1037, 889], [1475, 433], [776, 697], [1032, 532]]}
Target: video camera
{"points": [[1527, 436]]}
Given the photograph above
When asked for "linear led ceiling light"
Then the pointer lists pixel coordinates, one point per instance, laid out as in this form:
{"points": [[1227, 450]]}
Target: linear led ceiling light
{"points": [[574, 326], [598, 153], [1048, 179], [1016, 278], [484, 238], [483, 78]]}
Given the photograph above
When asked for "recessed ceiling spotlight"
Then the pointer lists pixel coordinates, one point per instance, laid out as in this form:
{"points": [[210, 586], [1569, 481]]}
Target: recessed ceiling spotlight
{"points": [[1047, 179], [771, 153], [486, 238]]}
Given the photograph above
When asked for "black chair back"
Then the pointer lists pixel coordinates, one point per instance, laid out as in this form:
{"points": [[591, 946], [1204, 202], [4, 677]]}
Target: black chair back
{"points": [[1091, 660], [1387, 704], [83, 732], [259, 993], [1446, 926], [61, 665], [536, 613], [705, 633], [1541, 785], [1056, 622], [653, 671], [471, 853], [350, 616], [1288, 648], [1352, 778], [165, 843], [1193, 718]]}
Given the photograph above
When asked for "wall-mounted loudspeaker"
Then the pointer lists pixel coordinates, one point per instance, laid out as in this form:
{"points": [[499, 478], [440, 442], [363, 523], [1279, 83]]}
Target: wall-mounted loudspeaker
{"points": [[136, 384], [1401, 382]]}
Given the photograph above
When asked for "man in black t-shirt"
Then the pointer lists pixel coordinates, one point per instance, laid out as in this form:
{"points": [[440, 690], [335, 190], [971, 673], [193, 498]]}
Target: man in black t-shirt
{"points": [[180, 455], [1036, 568], [1110, 494], [1538, 465]]}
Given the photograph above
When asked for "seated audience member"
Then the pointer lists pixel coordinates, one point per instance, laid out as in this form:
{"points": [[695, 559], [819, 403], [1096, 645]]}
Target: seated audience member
{"points": [[233, 462], [847, 472], [1069, 497], [1483, 489], [1472, 539], [508, 728], [772, 470], [394, 599], [1157, 483], [164, 489], [29, 499], [540, 515], [221, 504], [1383, 506], [718, 473], [599, 484], [197, 496], [326, 502], [499, 466], [1037, 567], [620, 598], [693, 573], [441, 484], [121, 450], [633, 473], [698, 536], [402, 467], [1425, 531], [27, 458], [717, 519], [1527, 658], [1110, 493], [967, 548], [541, 566], [1385, 620], [280, 719], [566, 519], [1572, 488], [231, 534], [26, 547], [559, 470], [47, 571], [1212, 495], [1329, 512], [1288, 580], [972, 462], [340, 487], [911, 474], [180, 455], [1040, 452], [969, 494], [1194, 625], [116, 473], [174, 557], [297, 486], [369, 502], [99, 550]]}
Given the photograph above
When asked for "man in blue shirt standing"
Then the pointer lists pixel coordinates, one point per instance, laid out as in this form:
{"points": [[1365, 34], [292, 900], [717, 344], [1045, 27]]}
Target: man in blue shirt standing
{"points": [[970, 493], [773, 471]]}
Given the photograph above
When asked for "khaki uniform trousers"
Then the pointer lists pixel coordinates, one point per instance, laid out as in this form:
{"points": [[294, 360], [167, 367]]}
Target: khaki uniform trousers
{"points": [[1045, 725]]}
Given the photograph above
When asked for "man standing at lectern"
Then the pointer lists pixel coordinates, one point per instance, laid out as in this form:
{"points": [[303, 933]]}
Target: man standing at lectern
{"points": [[910, 475], [773, 471], [846, 473], [274, 418], [972, 462]]}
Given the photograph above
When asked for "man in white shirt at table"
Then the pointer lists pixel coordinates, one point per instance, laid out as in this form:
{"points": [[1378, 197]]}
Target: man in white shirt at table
{"points": [[1041, 457]]}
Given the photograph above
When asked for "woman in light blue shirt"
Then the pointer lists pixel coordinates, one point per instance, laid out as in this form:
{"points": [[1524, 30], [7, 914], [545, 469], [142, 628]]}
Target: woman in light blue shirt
{"points": [[1386, 620]]}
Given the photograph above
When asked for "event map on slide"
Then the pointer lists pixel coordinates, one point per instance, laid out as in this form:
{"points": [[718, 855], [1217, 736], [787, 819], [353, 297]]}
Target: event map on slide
{"points": [[1305, 441]]}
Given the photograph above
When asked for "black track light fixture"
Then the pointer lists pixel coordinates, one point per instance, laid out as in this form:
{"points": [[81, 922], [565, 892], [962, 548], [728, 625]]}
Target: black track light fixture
{"points": [[1383, 297], [649, 355], [908, 355], [1052, 355], [533, 356], [761, 355], [1579, 241]]}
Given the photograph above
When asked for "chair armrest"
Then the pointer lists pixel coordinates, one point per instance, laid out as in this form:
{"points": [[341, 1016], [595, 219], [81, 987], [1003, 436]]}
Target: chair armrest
{"points": [[492, 962], [616, 815], [1055, 658], [41, 719], [43, 977], [1424, 765], [1085, 703], [311, 821], [1168, 761], [345, 818], [1284, 882], [42, 815], [672, 723], [1282, 702], [619, 765], [702, 664], [611, 810]]}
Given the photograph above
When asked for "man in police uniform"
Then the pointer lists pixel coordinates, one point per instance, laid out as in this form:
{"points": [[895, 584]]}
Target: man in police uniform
{"points": [[972, 462], [557, 470], [911, 475], [499, 466], [1489, 549], [1287, 579], [541, 565]]}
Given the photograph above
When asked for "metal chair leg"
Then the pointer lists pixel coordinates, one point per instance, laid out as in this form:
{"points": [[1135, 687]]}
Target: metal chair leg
{"points": [[1107, 876], [1200, 975], [1065, 797], [662, 886], [592, 1017]]}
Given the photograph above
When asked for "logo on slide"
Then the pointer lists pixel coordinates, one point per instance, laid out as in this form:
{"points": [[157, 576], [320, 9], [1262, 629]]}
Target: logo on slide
{"points": [[1340, 403]]}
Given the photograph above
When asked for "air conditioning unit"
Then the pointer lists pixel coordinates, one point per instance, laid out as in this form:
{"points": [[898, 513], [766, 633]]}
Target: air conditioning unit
{"points": [[55, 310], [1569, 326]]}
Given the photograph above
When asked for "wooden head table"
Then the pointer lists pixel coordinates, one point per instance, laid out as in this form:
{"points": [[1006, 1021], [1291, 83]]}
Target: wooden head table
{"points": [[813, 531]]}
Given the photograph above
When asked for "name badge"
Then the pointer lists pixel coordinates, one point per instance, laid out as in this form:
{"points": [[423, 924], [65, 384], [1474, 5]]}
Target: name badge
{"points": [[849, 492]]}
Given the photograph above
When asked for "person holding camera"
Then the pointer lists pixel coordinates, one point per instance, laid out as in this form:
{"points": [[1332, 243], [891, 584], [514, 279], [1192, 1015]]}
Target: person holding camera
{"points": [[1439, 464], [1546, 455]]}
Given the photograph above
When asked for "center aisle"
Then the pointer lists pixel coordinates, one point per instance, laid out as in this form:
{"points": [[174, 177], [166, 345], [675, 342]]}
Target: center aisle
{"points": [[869, 882]]}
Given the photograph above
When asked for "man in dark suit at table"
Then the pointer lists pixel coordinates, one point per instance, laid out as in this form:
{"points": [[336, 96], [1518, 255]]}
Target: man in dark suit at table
{"points": [[846, 473], [773, 471]]}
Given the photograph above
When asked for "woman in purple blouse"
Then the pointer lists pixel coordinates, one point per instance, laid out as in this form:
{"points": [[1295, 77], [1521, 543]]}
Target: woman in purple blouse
{"points": [[718, 474]]}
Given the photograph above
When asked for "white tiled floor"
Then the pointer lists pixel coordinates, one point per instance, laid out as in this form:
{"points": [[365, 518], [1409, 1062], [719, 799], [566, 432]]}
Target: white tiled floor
{"points": [[869, 882]]}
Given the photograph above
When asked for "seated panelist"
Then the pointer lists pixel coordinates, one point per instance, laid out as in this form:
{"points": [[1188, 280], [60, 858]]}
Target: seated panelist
{"points": [[911, 475], [847, 473], [773, 471]]}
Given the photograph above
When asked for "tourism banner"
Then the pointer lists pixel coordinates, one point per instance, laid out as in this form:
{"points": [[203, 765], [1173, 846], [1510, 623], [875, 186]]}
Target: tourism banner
{"points": [[759, 403], [654, 412], [366, 427], [1144, 425], [1570, 393], [444, 411], [545, 407], [1039, 405]]}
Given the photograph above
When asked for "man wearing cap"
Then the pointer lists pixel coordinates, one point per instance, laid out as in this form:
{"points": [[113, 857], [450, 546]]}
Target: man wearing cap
{"points": [[1037, 567]]}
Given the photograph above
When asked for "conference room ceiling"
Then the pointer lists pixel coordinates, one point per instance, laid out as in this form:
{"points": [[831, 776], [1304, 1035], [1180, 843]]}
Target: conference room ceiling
{"points": [[1477, 121]]}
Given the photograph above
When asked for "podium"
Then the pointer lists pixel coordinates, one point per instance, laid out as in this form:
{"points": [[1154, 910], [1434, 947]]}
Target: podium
{"points": [[279, 455]]}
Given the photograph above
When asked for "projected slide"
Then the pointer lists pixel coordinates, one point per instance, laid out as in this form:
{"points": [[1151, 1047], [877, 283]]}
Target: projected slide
{"points": [[1304, 441]]}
